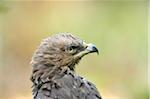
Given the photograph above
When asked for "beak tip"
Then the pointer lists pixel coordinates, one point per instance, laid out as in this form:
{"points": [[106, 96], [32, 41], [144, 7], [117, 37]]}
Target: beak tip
{"points": [[97, 53]]}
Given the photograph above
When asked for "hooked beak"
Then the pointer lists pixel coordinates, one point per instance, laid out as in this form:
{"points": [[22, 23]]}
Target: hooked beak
{"points": [[88, 48], [91, 48]]}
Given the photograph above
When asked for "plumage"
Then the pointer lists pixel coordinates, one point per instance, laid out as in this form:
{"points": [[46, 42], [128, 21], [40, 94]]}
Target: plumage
{"points": [[53, 73]]}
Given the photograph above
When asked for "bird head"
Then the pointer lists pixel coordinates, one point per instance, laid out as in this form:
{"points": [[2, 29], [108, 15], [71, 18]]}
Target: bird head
{"points": [[62, 50]]}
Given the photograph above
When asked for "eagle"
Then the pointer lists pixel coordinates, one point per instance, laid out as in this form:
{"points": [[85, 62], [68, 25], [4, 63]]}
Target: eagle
{"points": [[53, 69]]}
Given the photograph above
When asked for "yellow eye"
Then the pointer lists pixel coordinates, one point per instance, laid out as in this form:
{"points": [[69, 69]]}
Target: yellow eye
{"points": [[72, 49]]}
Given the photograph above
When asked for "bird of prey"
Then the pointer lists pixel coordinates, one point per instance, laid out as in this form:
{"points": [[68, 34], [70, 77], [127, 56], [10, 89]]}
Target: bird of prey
{"points": [[53, 73]]}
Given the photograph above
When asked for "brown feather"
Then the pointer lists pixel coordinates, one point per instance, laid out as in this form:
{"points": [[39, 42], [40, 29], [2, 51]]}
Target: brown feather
{"points": [[53, 74]]}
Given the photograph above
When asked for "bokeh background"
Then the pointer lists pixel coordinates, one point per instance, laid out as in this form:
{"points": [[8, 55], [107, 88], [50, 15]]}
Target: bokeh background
{"points": [[117, 27]]}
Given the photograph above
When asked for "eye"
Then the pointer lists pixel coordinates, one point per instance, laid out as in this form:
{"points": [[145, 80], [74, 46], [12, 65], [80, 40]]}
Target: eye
{"points": [[72, 49]]}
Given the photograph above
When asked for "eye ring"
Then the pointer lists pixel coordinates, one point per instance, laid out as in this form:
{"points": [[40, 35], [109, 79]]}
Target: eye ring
{"points": [[72, 49]]}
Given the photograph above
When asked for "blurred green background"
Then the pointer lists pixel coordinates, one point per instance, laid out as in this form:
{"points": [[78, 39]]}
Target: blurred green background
{"points": [[117, 27]]}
